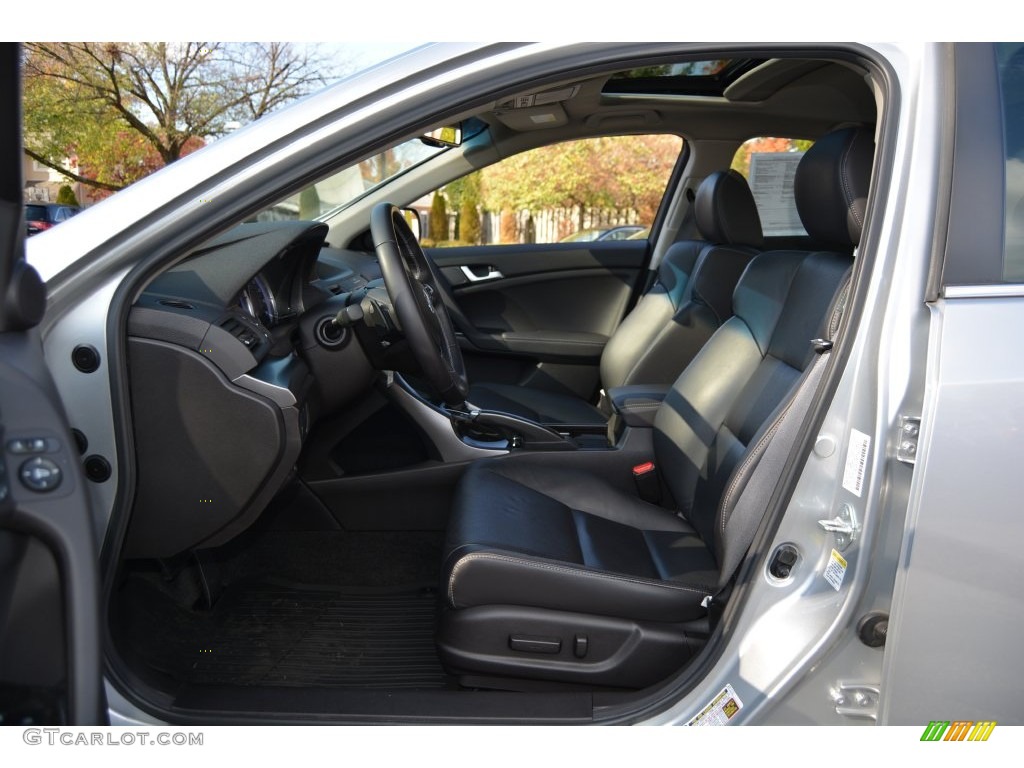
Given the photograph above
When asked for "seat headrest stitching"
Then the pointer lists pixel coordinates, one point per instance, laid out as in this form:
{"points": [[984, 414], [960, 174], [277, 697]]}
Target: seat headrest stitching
{"points": [[718, 193], [837, 314], [844, 178]]}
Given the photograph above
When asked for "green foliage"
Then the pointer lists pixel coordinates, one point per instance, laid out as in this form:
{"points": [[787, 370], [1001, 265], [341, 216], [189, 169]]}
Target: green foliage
{"points": [[469, 209], [66, 195], [309, 203], [623, 172], [437, 225]]}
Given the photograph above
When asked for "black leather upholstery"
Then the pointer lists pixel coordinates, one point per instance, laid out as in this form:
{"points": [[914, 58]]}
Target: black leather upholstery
{"points": [[726, 212], [690, 298], [552, 537], [550, 533], [637, 404], [831, 186]]}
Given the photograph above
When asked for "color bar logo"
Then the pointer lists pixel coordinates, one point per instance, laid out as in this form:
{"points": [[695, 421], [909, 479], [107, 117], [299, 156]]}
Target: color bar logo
{"points": [[958, 730]]}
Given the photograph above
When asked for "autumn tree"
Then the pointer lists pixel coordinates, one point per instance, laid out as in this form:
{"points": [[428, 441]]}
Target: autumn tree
{"points": [[125, 109], [619, 172], [464, 194], [66, 196], [437, 225]]}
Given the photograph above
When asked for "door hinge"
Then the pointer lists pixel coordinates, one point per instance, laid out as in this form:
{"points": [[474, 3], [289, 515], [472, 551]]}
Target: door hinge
{"points": [[844, 525], [856, 699], [906, 440]]}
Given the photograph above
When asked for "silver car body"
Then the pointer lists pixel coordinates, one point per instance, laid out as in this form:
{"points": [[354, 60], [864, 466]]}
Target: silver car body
{"points": [[936, 540]]}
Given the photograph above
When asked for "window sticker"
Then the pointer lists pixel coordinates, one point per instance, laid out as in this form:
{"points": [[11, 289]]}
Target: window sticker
{"points": [[771, 181]]}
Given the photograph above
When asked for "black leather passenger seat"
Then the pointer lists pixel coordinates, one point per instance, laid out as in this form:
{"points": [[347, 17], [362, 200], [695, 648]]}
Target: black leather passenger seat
{"points": [[690, 298], [545, 549]]}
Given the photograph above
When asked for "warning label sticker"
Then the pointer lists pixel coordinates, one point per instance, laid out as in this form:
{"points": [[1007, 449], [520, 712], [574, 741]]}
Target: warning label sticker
{"points": [[856, 462], [721, 709], [835, 570]]}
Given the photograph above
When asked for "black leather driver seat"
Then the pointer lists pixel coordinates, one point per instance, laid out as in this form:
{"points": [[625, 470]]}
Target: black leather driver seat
{"points": [[690, 298], [555, 567]]}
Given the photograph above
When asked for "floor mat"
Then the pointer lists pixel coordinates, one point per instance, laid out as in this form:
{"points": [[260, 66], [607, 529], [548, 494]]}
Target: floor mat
{"points": [[273, 634]]}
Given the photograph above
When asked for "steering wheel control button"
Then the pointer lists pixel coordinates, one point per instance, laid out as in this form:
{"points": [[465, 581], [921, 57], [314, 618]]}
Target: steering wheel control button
{"points": [[40, 474], [27, 445]]}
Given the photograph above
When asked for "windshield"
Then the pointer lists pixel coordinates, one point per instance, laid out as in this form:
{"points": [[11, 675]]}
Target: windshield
{"points": [[348, 185], [136, 107]]}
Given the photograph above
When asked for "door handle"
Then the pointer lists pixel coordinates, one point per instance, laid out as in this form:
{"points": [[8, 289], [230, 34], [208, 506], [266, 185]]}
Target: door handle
{"points": [[473, 277]]}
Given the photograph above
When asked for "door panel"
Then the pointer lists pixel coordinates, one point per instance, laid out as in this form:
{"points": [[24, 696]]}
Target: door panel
{"points": [[540, 315], [50, 662]]}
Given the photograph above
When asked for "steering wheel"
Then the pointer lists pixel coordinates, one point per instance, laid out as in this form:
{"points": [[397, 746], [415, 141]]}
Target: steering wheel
{"points": [[412, 284]]}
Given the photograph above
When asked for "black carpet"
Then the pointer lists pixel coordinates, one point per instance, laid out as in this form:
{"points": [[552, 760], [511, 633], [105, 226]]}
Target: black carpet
{"points": [[279, 634]]}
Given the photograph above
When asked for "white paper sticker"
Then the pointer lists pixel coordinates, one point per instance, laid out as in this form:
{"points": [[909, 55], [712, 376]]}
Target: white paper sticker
{"points": [[721, 709], [771, 182], [835, 570], [856, 462]]}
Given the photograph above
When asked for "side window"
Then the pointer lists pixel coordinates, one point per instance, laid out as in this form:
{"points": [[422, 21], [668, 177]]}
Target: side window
{"points": [[1011, 85], [769, 165], [600, 189]]}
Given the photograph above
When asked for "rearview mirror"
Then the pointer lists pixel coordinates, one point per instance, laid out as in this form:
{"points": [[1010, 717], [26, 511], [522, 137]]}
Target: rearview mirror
{"points": [[445, 136]]}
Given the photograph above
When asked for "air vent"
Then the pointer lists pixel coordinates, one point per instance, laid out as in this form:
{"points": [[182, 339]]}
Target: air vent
{"points": [[176, 303]]}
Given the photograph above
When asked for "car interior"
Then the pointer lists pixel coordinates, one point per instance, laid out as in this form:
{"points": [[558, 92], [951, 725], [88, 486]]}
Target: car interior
{"points": [[493, 483]]}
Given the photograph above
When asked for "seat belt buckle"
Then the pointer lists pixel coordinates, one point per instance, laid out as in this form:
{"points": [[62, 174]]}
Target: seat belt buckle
{"points": [[648, 485]]}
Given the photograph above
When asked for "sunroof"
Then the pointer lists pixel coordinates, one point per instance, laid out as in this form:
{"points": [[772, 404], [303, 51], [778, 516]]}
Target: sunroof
{"points": [[706, 77]]}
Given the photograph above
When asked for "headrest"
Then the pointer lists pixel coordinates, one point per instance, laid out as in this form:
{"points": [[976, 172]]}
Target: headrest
{"points": [[831, 186], [726, 212]]}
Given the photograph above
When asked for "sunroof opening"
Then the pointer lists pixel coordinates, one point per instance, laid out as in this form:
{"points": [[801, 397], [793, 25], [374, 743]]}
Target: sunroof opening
{"points": [[705, 77]]}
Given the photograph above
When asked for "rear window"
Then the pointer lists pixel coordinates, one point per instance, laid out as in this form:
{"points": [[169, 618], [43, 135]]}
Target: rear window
{"points": [[35, 213]]}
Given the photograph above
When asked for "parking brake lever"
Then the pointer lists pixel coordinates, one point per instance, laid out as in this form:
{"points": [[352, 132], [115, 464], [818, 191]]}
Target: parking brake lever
{"points": [[520, 433]]}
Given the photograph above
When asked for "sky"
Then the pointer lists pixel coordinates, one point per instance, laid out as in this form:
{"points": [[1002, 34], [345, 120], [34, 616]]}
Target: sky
{"points": [[371, 24]]}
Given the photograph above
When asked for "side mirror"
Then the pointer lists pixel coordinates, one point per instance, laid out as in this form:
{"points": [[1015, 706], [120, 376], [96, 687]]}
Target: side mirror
{"points": [[445, 136]]}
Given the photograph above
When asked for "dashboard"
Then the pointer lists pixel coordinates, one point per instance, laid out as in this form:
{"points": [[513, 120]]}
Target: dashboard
{"points": [[226, 378]]}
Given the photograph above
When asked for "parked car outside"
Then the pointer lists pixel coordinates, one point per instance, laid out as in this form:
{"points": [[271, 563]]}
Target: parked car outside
{"points": [[611, 233], [41, 216]]}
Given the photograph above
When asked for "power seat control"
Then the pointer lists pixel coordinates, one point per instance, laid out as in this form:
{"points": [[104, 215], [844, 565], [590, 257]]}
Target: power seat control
{"points": [[40, 474], [534, 644]]}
